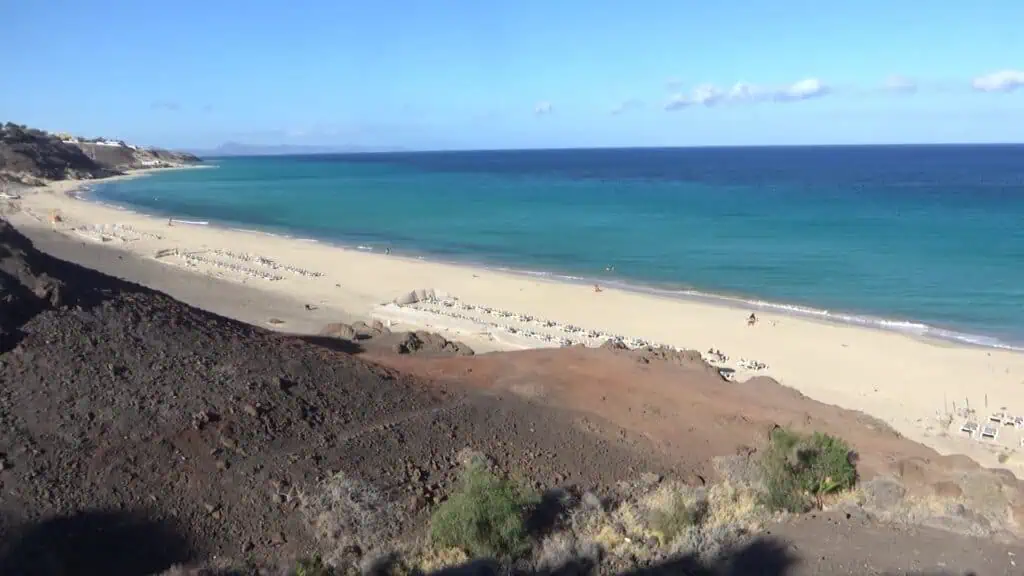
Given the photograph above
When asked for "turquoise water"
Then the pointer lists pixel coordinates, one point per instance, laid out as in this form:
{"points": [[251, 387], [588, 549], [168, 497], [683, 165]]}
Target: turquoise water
{"points": [[928, 240]]}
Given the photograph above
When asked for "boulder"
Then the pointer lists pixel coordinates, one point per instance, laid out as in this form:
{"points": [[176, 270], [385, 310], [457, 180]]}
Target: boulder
{"points": [[339, 330], [421, 342]]}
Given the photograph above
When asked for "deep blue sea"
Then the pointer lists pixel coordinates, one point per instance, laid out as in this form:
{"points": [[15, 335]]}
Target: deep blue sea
{"points": [[926, 239]]}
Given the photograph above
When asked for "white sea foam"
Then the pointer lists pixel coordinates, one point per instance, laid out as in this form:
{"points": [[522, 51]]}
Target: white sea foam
{"points": [[908, 327], [261, 232], [894, 325]]}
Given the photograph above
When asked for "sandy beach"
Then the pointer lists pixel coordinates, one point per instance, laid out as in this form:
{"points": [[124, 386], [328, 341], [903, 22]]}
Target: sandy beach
{"points": [[296, 285]]}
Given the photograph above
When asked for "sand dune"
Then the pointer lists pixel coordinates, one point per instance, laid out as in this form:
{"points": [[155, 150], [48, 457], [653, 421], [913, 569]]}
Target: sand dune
{"points": [[921, 388]]}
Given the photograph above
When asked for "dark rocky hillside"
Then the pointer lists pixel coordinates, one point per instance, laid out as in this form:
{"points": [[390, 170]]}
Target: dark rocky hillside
{"points": [[31, 156], [28, 155]]}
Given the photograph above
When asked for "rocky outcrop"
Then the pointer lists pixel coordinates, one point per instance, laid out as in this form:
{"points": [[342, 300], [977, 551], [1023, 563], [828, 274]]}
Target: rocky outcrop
{"points": [[379, 337], [686, 358], [421, 342]]}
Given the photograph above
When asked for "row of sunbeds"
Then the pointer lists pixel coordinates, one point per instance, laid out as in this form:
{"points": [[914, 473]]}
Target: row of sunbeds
{"points": [[989, 430]]}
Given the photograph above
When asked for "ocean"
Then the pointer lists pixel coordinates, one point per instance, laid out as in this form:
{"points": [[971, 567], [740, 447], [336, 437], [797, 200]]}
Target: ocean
{"points": [[923, 239]]}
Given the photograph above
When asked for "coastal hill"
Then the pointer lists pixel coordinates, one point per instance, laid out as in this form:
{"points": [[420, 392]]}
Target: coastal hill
{"points": [[138, 433], [32, 157]]}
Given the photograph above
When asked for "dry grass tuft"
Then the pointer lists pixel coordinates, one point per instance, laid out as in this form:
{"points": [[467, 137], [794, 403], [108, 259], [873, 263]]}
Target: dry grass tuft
{"points": [[731, 505], [432, 559], [561, 551], [344, 512], [674, 508]]}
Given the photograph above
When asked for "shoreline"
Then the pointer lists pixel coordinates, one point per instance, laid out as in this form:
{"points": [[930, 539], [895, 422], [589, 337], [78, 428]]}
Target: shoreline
{"points": [[930, 332], [908, 382]]}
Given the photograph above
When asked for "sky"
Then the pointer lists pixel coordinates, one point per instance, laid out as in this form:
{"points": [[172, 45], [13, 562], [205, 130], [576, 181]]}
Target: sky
{"points": [[472, 74]]}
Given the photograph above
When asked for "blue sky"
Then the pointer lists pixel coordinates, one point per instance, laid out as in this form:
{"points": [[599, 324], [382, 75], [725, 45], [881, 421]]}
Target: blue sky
{"points": [[529, 73]]}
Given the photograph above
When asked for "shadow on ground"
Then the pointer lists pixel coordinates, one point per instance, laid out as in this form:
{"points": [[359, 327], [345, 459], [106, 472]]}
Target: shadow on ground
{"points": [[31, 282], [762, 557], [100, 542], [129, 544], [333, 343]]}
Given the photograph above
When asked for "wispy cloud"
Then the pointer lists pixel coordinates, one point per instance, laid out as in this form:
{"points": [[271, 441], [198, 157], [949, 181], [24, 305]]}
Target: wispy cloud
{"points": [[543, 108], [626, 106], [168, 105], [1001, 81], [802, 90], [898, 84], [743, 93]]}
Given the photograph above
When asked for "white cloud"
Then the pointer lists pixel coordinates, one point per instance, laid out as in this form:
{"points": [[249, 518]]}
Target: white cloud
{"points": [[741, 92], [543, 108], [899, 84], [1002, 81], [802, 90], [706, 95], [626, 106]]}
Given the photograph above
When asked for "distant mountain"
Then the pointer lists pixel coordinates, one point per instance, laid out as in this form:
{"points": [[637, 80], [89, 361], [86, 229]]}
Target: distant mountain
{"points": [[239, 149]]}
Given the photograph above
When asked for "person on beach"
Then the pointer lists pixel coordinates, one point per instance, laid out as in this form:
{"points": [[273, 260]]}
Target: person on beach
{"points": [[387, 250], [170, 222], [597, 287], [752, 319]]}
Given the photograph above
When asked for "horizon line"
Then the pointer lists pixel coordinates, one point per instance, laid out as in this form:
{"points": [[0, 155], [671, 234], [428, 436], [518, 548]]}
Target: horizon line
{"points": [[404, 150]]}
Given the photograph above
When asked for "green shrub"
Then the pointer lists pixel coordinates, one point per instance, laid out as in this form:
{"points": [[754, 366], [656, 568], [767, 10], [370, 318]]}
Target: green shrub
{"points": [[486, 517], [800, 469]]}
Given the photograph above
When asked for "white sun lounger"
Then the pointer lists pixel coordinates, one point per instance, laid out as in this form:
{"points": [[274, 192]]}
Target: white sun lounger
{"points": [[969, 427], [997, 417], [989, 431]]}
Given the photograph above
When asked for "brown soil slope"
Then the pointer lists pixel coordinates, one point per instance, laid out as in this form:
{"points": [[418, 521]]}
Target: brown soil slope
{"points": [[684, 408]]}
